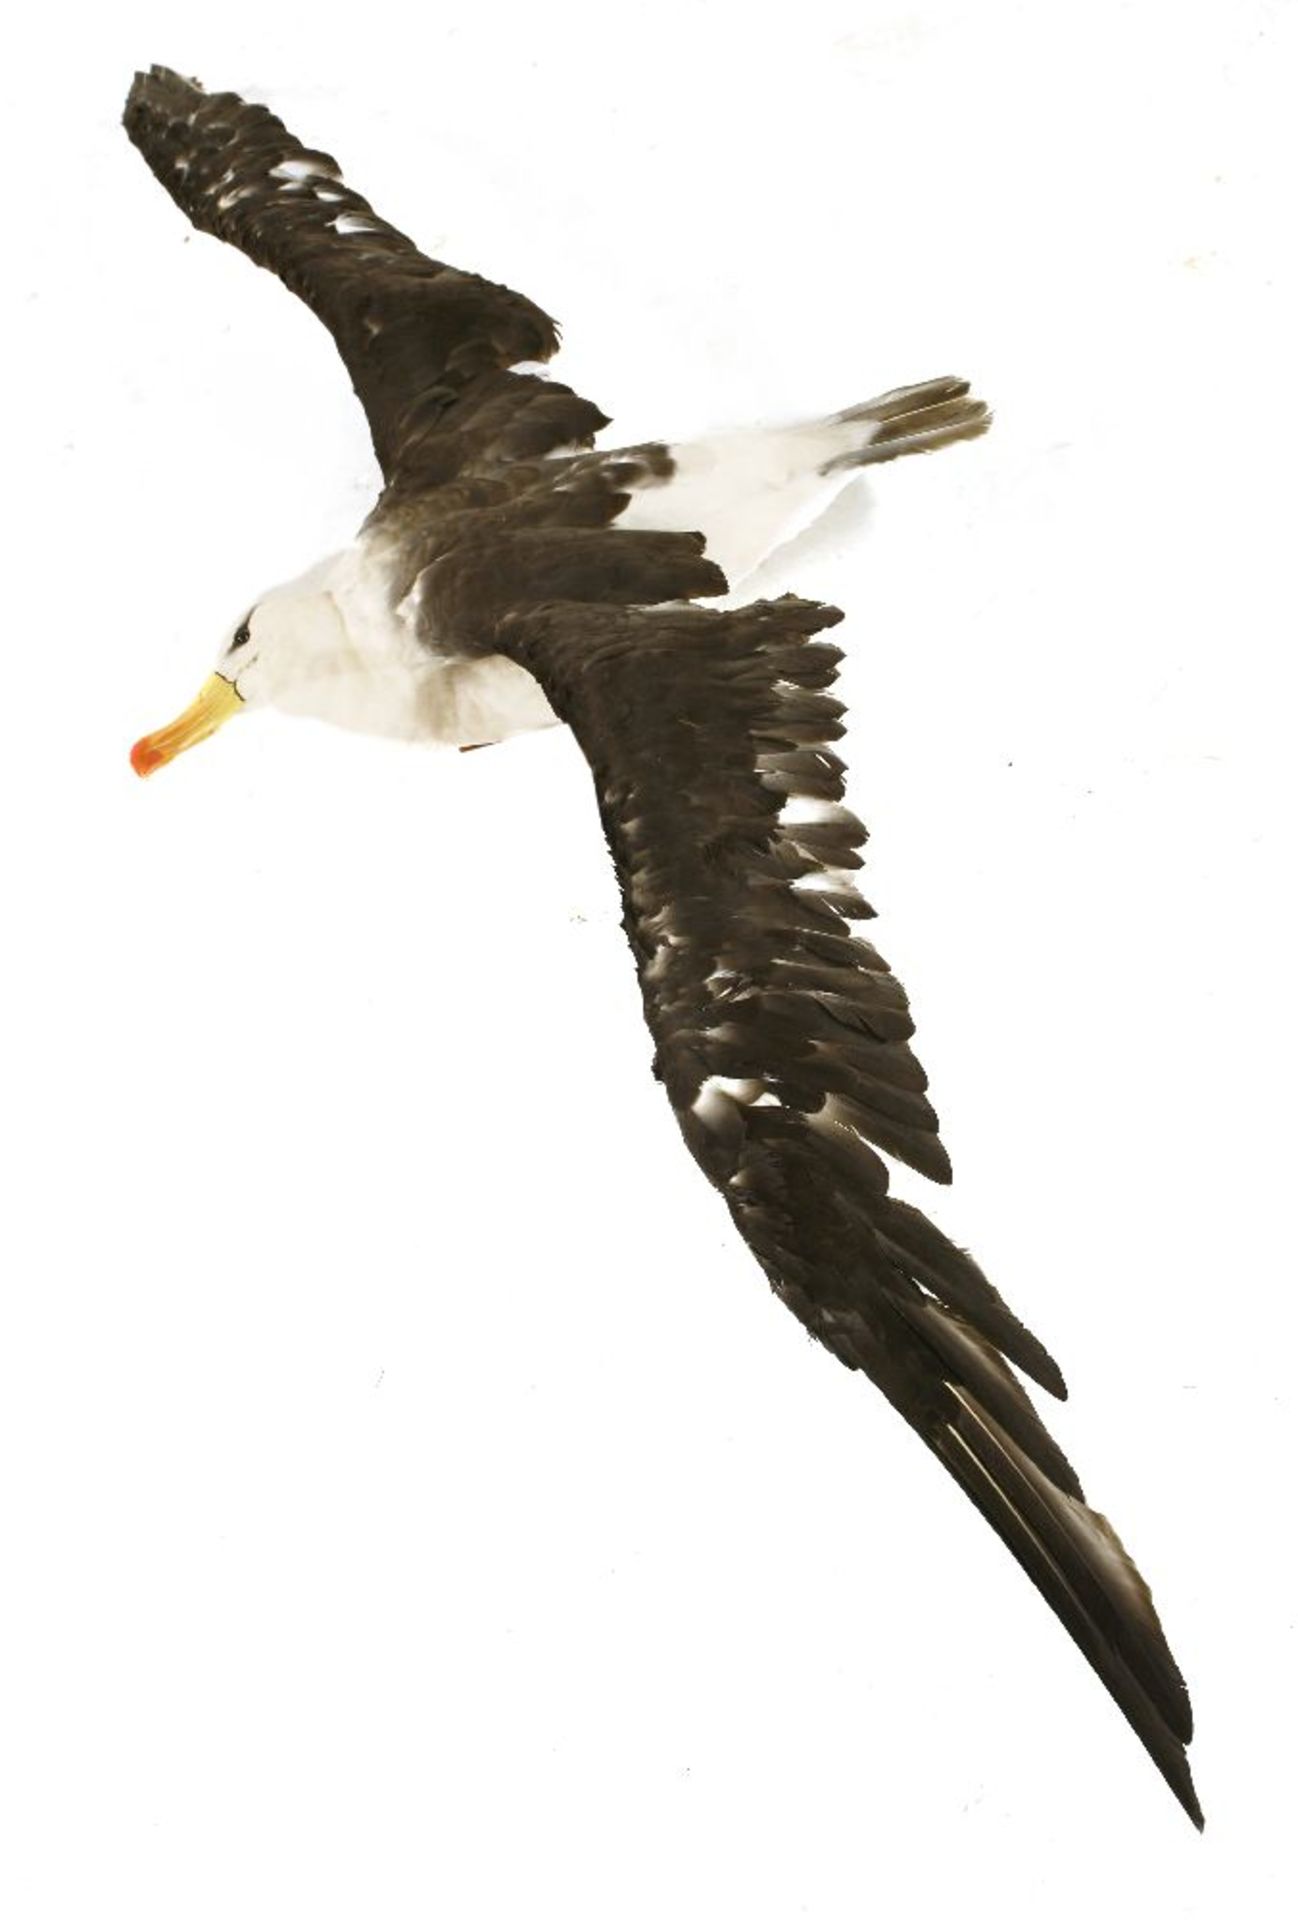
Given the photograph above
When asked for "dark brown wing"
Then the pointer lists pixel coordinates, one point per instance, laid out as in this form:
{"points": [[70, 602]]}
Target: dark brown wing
{"points": [[427, 346], [782, 1040], [784, 1046]]}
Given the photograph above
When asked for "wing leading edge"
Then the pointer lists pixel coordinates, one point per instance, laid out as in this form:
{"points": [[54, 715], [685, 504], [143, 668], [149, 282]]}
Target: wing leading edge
{"points": [[427, 347]]}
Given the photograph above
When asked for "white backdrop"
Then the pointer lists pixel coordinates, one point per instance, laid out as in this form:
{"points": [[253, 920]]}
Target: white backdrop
{"points": [[415, 1502]]}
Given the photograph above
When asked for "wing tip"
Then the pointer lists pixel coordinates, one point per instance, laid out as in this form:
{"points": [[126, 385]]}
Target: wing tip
{"points": [[1076, 1561], [160, 79]]}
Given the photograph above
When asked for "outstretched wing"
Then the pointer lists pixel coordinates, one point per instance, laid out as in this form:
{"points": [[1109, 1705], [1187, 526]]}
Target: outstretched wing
{"points": [[784, 1046], [427, 346], [782, 1040]]}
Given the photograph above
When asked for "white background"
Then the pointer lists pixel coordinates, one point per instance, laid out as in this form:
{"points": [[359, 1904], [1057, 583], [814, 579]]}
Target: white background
{"points": [[415, 1502]]}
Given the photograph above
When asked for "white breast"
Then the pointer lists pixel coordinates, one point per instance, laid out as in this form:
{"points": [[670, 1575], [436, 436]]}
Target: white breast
{"points": [[380, 679]]}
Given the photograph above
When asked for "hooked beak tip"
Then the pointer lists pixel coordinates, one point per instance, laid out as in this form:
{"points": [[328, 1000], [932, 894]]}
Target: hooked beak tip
{"points": [[145, 758]]}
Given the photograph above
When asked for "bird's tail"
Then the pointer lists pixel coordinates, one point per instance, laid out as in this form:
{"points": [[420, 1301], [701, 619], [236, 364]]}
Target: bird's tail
{"points": [[908, 420]]}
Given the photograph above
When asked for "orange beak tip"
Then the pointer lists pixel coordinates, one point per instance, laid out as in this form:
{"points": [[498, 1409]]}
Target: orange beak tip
{"points": [[217, 699]]}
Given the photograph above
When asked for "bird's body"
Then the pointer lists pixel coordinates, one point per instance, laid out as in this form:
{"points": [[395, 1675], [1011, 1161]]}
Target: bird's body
{"points": [[354, 647], [510, 576]]}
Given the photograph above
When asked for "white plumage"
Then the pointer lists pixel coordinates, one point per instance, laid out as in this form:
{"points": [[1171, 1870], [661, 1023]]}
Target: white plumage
{"points": [[337, 645]]}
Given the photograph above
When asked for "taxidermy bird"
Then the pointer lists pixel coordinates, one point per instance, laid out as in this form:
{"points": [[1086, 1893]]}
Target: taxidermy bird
{"points": [[511, 575]]}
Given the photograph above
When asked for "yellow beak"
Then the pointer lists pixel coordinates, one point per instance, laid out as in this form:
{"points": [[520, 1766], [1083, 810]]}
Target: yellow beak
{"points": [[218, 699]]}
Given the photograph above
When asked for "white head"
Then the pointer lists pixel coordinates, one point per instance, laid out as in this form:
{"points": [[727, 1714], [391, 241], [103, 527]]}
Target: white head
{"points": [[289, 644]]}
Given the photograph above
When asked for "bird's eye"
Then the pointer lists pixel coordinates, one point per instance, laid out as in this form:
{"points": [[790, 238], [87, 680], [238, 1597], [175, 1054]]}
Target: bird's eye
{"points": [[242, 637]]}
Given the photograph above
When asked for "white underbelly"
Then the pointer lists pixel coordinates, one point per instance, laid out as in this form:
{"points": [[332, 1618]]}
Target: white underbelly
{"points": [[389, 682], [451, 703], [469, 703]]}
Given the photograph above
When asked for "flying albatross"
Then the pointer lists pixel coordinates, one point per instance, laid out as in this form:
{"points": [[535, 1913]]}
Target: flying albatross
{"points": [[511, 576]]}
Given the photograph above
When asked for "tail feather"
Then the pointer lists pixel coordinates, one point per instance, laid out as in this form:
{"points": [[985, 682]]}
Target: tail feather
{"points": [[916, 419], [753, 490]]}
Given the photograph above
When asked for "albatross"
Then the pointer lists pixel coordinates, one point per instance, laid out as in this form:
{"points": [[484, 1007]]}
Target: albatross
{"points": [[512, 576]]}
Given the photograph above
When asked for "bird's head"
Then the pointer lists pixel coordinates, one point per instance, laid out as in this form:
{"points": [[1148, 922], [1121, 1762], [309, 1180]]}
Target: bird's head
{"points": [[286, 642]]}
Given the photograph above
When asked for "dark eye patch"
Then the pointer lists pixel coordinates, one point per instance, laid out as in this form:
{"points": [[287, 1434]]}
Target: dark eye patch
{"points": [[243, 636]]}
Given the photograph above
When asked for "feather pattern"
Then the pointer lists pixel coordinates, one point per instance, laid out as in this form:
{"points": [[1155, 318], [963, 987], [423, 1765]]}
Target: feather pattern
{"points": [[782, 1037], [783, 1042], [417, 337]]}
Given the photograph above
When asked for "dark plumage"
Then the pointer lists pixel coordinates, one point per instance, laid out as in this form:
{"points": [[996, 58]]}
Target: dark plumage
{"points": [[783, 1041]]}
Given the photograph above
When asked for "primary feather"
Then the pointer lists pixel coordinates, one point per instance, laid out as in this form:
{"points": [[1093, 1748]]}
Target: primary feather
{"points": [[511, 575]]}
